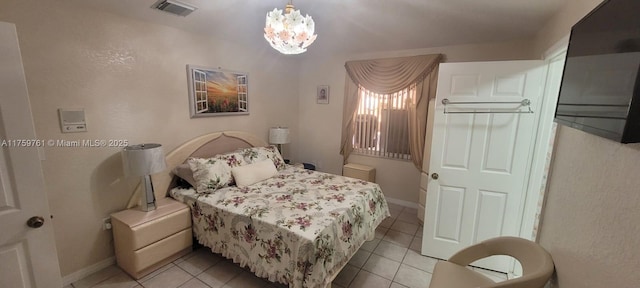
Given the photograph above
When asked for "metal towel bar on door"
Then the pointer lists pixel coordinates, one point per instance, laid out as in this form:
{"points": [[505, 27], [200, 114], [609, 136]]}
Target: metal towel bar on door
{"points": [[524, 102]]}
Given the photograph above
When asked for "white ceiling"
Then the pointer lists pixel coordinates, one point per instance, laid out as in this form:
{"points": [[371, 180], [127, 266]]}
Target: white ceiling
{"points": [[357, 26]]}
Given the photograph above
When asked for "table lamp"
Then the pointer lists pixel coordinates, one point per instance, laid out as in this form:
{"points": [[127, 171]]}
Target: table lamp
{"points": [[144, 160], [279, 136]]}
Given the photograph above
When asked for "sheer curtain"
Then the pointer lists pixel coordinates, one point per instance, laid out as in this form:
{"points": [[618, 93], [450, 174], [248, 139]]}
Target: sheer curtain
{"points": [[387, 76]]}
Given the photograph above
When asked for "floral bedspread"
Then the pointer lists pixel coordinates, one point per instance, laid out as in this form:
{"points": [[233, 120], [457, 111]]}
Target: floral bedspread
{"points": [[298, 227]]}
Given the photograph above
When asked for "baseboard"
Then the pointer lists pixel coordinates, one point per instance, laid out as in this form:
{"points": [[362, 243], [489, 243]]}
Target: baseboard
{"points": [[84, 272], [404, 203]]}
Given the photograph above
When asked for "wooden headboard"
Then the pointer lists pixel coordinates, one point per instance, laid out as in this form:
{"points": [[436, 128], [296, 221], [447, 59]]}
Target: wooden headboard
{"points": [[202, 147]]}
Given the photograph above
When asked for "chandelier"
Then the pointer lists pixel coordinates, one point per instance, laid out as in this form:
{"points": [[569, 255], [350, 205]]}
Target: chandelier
{"points": [[290, 33]]}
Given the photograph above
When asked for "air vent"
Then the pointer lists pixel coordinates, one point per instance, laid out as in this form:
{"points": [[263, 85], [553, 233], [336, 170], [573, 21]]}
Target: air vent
{"points": [[174, 7]]}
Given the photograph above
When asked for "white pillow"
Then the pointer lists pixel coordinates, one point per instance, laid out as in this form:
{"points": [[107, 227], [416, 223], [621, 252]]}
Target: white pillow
{"points": [[253, 173]]}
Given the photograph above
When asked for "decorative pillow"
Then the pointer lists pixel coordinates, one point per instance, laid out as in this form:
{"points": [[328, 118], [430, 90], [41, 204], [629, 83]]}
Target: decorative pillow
{"points": [[257, 154], [253, 173], [184, 172], [210, 174]]}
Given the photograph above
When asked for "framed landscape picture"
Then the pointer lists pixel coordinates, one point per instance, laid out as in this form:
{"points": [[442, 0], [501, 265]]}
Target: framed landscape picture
{"points": [[217, 92]]}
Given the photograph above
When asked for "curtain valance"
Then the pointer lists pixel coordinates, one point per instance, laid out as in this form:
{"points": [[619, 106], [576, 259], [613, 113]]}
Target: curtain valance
{"points": [[390, 75]]}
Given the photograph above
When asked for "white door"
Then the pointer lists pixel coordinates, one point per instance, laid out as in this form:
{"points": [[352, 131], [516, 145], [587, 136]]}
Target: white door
{"points": [[28, 255], [481, 159]]}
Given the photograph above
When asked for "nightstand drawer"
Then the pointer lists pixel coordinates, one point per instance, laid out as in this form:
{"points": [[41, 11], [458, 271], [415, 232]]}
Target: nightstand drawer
{"points": [[162, 249], [135, 229], [149, 232]]}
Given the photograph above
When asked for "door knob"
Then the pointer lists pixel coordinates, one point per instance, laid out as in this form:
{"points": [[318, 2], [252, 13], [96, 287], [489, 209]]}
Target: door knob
{"points": [[434, 176], [35, 222]]}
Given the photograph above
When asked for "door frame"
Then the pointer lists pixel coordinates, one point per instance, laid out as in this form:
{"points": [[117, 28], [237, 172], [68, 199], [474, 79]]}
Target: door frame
{"points": [[544, 135], [543, 145]]}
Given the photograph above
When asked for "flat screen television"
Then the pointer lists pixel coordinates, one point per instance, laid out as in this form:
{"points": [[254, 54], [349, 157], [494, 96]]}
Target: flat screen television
{"points": [[600, 90]]}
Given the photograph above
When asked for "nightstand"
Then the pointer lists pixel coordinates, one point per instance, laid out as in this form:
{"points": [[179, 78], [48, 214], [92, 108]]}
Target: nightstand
{"points": [[144, 241], [358, 171]]}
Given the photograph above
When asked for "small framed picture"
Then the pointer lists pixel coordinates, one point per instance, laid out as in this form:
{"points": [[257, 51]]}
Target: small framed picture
{"points": [[322, 96]]}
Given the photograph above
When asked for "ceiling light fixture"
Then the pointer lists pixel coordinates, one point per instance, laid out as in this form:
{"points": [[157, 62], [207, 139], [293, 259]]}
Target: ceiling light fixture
{"points": [[290, 33]]}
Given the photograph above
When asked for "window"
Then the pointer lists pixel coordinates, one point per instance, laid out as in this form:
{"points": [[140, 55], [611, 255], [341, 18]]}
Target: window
{"points": [[391, 123], [200, 81], [242, 93], [382, 124]]}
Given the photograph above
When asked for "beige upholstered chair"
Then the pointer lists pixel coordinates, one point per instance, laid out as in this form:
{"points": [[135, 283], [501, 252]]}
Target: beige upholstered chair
{"points": [[536, 262]]}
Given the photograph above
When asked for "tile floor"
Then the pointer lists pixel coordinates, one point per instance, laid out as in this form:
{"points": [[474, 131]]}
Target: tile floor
{"points": [[391, 260]]}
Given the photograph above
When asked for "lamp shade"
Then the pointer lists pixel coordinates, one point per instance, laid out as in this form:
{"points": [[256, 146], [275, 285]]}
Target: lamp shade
{"points": [[279, 135], [143, 159]]}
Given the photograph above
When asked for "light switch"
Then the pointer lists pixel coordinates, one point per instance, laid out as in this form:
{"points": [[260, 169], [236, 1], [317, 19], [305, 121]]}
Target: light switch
{"points": [[72, 120]]}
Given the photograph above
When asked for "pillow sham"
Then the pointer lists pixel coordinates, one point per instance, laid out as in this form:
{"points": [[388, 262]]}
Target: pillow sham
{"points": [[213, 173], [253, 173], [210, 174], [258, 154], [233, 159]]}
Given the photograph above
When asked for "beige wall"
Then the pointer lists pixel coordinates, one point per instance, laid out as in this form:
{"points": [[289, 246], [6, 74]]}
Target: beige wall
{"points": [[319, 128], [590, 219], [560, 24], [130, 78], [590, 222]]}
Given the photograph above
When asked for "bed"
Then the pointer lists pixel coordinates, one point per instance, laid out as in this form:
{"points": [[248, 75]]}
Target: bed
{"points": [[298, 227]]}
